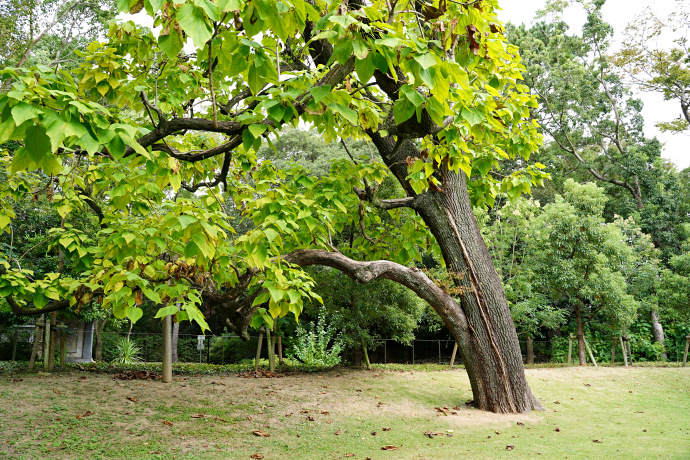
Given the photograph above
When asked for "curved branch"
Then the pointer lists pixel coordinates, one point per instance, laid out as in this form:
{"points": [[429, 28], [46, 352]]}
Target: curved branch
{"points": [[363, 272]]}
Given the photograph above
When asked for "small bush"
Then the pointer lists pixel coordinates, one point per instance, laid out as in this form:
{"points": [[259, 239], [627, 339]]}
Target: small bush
{"points": [[312, 345]]}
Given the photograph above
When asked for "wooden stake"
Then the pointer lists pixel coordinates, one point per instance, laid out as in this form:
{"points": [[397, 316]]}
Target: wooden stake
{"points": [[625, 354], [270, 341], [167, 349], [258, 352], [613, 352], [589, 350], [687, 345], [570, 350], [452, 356]]}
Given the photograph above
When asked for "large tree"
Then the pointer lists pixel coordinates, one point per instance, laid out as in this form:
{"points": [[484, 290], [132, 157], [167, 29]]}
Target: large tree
{"points": [[433, 87]]}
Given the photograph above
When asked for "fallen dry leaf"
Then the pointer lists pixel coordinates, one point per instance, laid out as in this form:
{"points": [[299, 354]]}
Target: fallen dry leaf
{"points": [[261, 433], [155, 452], [510, 447], [337, 432], [305, 411], [556, 402], [349, 455], [198, 416], [373, 433], [85, 414], [597, 441], [520, 423], [323, 412], [165, 422], [257, 456], [389, 447], [385, 429], [17, 380], [56, 392], [132, 398], [556, 429], [310, 418], [220, 419]]}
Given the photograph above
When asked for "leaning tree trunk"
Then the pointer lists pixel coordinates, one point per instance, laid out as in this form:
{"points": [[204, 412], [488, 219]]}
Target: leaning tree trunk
{"points": [[488, 344], [479, 318]]}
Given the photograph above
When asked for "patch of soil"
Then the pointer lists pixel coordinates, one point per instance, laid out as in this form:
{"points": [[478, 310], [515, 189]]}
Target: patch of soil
{"points": [[137, 375]]}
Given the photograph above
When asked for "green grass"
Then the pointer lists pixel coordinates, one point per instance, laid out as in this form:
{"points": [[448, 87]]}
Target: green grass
{"points": [[634, 413]]}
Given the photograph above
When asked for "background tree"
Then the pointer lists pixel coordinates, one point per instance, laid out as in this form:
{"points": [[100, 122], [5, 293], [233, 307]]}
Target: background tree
{"points": [[596, 126], [365, 314], [653, 68], [509, 232], [577, 260], [50, 31]]}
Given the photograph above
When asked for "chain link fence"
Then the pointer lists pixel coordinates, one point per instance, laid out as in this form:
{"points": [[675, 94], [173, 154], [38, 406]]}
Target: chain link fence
{"points": [[17, 343]]}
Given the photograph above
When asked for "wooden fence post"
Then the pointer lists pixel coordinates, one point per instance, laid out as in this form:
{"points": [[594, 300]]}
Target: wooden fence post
{"points": [[570, 350], [687, 345], [452, 357], [167, 349]]}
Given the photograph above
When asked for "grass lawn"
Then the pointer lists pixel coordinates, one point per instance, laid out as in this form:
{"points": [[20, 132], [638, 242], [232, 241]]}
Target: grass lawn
{"points": [[629, 413]]}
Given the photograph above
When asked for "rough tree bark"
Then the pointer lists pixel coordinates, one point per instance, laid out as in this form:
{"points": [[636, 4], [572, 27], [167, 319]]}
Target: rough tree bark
{"points": [[98, 326], [658, 332]]}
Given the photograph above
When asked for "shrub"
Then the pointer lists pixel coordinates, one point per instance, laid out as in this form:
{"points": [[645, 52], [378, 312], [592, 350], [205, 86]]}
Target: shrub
{"points": [[312, 345]]}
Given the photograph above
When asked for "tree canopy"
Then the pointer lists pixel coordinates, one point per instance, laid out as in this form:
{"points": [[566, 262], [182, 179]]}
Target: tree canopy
{"points": [[153, 128]]}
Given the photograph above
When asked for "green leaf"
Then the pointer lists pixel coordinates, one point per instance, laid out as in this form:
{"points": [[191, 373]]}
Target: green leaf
{"points": [[257, 129], [211, 10], [22, 112], [425, 60], [403, 110], [319, 92], [193, 21], [346, 112], [37, 143], [134, 314], [365, 69], [255, 79], [170, 42], [166, 311], [473, 116]]}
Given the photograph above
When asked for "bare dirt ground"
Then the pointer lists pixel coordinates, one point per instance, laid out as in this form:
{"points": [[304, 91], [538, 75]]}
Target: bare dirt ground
{"points": [[89, 415]]}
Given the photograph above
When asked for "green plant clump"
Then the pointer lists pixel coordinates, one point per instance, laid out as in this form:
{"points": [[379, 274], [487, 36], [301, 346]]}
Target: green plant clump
{"points": [[127, 351], [312, 344]]}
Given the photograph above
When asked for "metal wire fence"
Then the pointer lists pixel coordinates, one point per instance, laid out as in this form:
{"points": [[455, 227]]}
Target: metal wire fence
{"points": [[17, 343]]}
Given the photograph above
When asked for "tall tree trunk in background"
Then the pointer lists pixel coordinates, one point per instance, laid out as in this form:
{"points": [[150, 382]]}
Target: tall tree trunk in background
{"points": [[175, 339], [580, 336], [98, 326], [658, 332]]}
